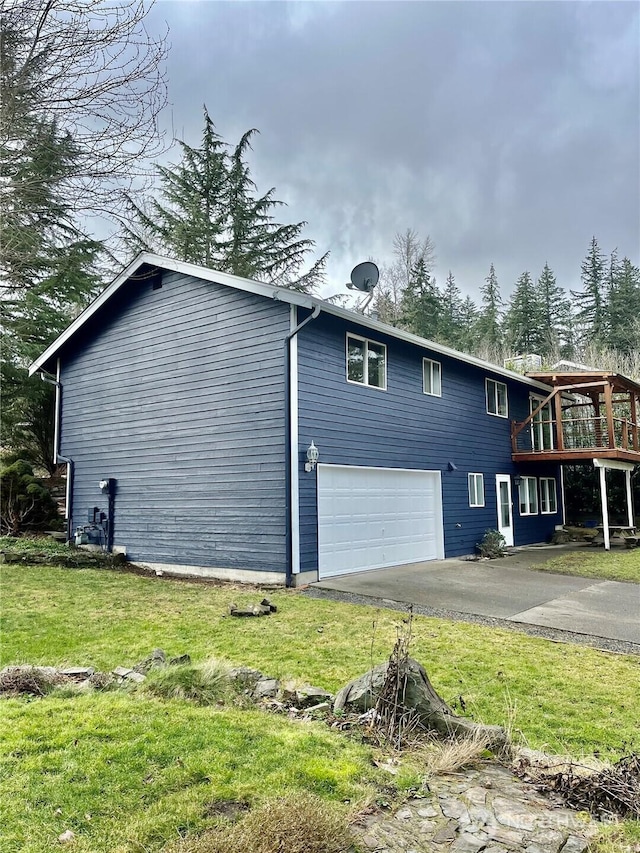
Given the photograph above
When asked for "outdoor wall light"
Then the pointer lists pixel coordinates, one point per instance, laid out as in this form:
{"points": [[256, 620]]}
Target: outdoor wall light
{"points": [[313, 455], [517, 480]]}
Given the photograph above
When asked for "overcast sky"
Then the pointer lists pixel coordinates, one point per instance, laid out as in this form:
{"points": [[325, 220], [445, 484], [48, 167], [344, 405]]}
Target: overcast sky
{"points": [[507, 131]]}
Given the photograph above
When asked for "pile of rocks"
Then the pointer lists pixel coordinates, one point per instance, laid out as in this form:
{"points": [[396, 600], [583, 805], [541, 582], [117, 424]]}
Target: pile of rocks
{"points": [[278, 696]]}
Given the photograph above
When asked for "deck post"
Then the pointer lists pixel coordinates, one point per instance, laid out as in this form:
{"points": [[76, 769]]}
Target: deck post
{"points": [[559, 430], [605, 508], [627, 479], [608, 402]]}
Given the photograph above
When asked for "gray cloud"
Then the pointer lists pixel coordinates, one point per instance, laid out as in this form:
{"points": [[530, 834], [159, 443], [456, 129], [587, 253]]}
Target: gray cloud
{"points": [[509, 132]]}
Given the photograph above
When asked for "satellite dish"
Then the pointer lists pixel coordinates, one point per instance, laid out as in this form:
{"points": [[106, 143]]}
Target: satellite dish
{"points": [[364, 277]]}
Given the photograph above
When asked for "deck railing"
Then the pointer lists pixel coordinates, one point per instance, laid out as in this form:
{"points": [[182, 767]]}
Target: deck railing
{"points": [[577, 434]]}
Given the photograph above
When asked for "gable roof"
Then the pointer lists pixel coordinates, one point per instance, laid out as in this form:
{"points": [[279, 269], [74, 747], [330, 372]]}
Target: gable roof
{"points": [[269, 291]]}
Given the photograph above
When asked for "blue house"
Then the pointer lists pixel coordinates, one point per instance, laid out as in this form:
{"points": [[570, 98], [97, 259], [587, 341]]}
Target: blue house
{"points": [[189, 404]]}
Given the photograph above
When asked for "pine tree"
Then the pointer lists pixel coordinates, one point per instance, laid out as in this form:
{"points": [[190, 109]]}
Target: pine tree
{"points": [[469, 318], [591, 314], [209, 213], [555, 316], [623, 310], [408, 250], [489, 325], [421, 302], [450, 327], [523, 321]]}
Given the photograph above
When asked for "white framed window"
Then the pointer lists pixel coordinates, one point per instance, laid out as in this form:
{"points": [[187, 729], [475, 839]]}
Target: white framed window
{"points": [[476, 489], [432, 377], [366, 362], [497, 403], [528, 496], [548, 498]]}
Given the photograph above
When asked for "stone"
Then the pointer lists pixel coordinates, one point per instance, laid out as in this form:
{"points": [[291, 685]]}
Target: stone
{"points": [[370, 842], [266, 603], [416, 693], [428, 811], [156, 659], [321, 706], [180, 660], [446, 833], [404, 814], [549, 839], [79, 672], [467, 843], [256, 610], [67, 836], [505, 836], [574, 844], [477, 796], [136, 677], [266, 688], [513, 814], [454, 808], [245, 676], [307, 696], [121, 671]]}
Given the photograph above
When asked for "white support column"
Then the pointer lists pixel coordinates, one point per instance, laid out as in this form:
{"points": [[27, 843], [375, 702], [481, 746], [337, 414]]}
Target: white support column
{"points": [[605, 508], [627, 478]]}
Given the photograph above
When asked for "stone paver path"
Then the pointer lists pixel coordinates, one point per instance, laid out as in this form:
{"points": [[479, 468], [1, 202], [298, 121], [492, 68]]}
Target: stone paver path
{"points": [[487, 809]]}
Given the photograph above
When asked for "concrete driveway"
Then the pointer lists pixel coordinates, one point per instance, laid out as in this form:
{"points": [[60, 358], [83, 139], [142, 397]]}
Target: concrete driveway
{"points": [[507, 589]]}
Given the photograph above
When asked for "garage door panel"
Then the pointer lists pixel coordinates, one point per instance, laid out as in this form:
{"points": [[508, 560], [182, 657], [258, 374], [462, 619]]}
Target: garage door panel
{"points": [[374, 517]]}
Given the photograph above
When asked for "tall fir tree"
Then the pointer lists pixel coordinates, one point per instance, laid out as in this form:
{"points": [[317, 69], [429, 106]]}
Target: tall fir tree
{"points": [[555, 316], [469, 318], [209, 213], [489, 326], [421, 302], [591, 313], [450, 328], [523, 322], [623, 309]]}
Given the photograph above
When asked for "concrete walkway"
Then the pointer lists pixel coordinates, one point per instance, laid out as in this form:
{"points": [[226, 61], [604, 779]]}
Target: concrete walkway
{"points": [[507, 589]]}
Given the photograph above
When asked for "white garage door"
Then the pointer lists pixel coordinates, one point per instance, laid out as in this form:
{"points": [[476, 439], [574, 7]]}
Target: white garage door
{"points": [[369, 518]]}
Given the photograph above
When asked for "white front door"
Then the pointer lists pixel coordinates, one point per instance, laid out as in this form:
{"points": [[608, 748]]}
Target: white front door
{"points": [[505, 510]]}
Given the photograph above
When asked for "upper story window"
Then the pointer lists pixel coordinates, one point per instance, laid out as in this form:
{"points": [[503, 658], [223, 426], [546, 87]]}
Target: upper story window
{"points": [[528, 496], [497, 403], [476, 489], [366, 362], [431, 377], [548, 499]]}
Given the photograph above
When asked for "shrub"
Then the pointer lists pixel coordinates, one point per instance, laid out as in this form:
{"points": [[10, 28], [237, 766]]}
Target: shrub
{"points": [[492, 545], [295, 824], [25, 503]]}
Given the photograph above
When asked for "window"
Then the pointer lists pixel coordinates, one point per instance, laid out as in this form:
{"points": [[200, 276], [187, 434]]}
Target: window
{"points": [[366, 362], [497, 398], [476, 489], [431, 377], [548, 500], [541, 425], [528, 494]]}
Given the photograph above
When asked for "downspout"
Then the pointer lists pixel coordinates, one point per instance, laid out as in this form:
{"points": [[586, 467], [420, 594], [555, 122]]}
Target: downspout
{"points": [[287, 441], [57, 456]]}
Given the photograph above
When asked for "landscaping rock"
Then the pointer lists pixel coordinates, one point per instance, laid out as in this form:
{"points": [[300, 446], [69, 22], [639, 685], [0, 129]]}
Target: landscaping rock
{"points": [[181, 660], [306, 697], [245, 677], [156, 659], [266, 688], [78, 672], [266, 603], [67, 836]]}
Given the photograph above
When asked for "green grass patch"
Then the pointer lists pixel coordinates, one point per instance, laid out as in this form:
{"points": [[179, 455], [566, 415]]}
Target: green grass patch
{"points": [[614, 565], [126, 772], [33, 545]]}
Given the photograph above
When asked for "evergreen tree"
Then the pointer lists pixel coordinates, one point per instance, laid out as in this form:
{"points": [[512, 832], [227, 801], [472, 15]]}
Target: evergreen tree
{"points": [[209, 213], [555, 316], [408, 250], [421, 302], [489, 325], [623, 310], [591, 314], [469, 318], [523, 321], [450, 328]]}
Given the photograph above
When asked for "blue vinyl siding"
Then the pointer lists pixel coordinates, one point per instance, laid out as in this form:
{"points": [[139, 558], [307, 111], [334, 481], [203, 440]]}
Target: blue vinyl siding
{"points": [[402, 427], [178, 393]]}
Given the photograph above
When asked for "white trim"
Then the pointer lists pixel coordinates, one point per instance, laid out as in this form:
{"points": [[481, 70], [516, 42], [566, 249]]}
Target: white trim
{"points": [[431, 361], [506, 531], [272, 292], [365, 362], [544, 511], [614, 463], [56, 419], [475, 489], [528, 495], [496, 382], [294, 497], [562, 497]]}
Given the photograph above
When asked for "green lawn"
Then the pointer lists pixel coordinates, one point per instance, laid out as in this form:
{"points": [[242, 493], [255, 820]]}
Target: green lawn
{"points": [[145, 769], [615, 565]]}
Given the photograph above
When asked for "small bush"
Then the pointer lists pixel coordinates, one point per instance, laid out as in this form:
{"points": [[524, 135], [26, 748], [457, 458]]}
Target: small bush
{"points": [[25, 503], [206, 684], [295, 824], [29, 680], [492, 546]]}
